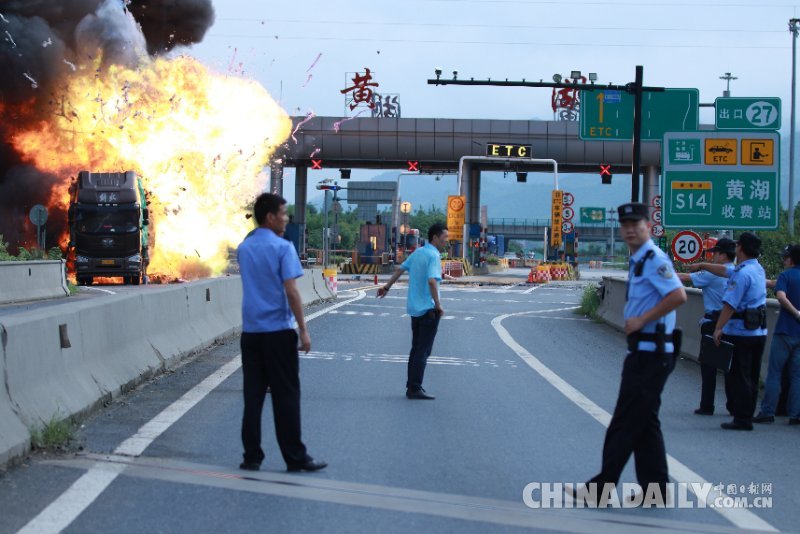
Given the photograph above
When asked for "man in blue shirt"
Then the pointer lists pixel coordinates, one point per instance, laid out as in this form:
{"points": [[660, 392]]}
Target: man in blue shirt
{"points": [[785, 343], [743, 322], [654, 292], [424, 267], [713, 286], [271, 304]]}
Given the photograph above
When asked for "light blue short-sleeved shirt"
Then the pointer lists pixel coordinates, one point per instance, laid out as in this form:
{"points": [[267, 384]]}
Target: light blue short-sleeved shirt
{"points": [[422, 265], [746, 289], [266, 261], [657, 280], [713, 287]]}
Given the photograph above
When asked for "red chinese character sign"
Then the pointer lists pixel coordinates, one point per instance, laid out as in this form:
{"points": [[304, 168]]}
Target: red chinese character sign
{"points": [[360, 91], [566, 102]]}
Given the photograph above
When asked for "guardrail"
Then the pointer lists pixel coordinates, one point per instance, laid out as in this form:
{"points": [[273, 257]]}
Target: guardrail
{"points": [[32, 280], [65, 361]]}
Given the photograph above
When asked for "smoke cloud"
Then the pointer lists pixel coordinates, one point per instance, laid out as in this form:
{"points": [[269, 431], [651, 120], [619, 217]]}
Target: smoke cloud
{"points": [[44, 41]]}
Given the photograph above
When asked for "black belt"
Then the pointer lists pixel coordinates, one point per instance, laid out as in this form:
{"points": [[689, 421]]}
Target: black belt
{"points": [[712, 315]]}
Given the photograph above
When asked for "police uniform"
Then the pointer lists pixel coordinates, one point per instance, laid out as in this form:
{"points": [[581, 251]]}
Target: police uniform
{"points": [[713, 287], [746, 293], [635, 427]]}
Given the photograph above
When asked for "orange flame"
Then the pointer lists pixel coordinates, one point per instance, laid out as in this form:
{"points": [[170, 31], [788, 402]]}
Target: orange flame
{"points": [[199, 140]]}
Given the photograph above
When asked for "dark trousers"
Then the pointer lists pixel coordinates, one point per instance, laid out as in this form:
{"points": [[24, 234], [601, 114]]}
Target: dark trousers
{"points": [[741, 382], [708, 374], [271, 359], [635, 427], [423, 332]]}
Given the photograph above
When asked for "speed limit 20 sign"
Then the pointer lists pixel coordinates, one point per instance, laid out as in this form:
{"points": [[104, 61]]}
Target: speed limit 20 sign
{"points": [[687, 246]]}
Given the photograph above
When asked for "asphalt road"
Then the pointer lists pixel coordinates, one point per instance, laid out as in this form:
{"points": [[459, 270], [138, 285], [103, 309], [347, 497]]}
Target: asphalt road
{"points": [[523, 387]]}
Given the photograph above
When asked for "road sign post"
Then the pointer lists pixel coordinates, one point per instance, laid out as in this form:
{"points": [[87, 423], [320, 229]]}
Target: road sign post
{"points": [[715, 180]]}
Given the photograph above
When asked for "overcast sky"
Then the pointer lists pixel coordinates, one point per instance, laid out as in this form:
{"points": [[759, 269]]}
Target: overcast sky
{"points": [[680, 43]]}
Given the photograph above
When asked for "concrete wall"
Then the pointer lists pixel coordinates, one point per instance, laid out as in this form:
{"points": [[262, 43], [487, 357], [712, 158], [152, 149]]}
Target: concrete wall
{"points": [[66, 360], [32, 280], [688, 316]]}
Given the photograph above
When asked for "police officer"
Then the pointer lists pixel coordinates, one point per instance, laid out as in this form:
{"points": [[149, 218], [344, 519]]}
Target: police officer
{"points": [[743, 322], [654, 292], [713, 286]]}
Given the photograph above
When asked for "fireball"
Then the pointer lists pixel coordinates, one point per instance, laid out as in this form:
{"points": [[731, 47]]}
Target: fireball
{"points": [[199, 140]]}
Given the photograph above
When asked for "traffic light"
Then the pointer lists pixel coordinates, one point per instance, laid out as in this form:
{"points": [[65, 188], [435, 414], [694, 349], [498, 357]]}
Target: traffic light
{"points": [[605, 173], [522, 176]]}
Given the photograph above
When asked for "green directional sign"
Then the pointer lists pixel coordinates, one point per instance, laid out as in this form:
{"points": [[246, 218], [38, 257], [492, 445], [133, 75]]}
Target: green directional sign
{"points": [[607, 115], [720, 180], [593, 215], [752, 113]]}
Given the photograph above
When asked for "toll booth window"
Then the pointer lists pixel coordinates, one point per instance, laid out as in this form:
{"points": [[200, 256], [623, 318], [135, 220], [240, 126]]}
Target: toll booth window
{"points": [[101, 221]]}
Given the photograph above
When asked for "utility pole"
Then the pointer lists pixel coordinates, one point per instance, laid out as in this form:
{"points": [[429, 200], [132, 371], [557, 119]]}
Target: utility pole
{"points": [[792, 28], [727, 78], [635, 88], [611, 212]]}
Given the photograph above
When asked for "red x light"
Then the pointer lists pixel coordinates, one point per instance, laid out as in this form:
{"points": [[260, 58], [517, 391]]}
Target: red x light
{"points": [[316, 164], [605, 170], [413, 166]]}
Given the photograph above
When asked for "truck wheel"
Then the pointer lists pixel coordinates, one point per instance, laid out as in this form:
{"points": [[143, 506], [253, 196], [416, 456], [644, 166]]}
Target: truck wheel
{"points": [[85, 280], [135, 280]]}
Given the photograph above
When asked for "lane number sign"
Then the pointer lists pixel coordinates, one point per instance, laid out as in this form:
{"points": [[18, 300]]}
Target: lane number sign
{"points": [[687, 246]]}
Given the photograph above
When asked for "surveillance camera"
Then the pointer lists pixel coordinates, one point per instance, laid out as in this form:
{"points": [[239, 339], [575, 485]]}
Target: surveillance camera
{"points": [[455, 74], [438, 71]]}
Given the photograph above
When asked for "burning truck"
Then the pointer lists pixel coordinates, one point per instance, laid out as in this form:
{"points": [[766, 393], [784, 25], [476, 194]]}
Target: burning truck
{"points": [[108, 227]]}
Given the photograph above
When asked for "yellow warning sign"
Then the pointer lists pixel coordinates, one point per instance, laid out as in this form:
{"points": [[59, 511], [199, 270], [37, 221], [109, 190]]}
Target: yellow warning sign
{"points": [[556, 217], [757, 151], [720, 151], [690, 185]]}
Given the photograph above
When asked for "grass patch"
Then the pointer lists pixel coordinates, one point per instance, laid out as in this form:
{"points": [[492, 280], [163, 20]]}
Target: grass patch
{"points": [[72, 288], [55, 435], [590, 303]]}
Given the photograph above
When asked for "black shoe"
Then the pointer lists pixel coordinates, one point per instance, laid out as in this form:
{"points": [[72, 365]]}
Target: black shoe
{"points": [[764, 419], [250, 466], [794, 421], [310, 465], [735, 425], [701, 411], [418, 394]]}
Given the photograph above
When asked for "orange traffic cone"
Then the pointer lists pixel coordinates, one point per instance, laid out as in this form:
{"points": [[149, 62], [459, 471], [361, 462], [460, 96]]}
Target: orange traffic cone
{"points": [[530, 277]]}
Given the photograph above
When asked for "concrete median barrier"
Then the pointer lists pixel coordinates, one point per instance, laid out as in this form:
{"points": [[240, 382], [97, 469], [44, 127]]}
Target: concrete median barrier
{"points": [[64, 361], [688, 316], [32, 280]]}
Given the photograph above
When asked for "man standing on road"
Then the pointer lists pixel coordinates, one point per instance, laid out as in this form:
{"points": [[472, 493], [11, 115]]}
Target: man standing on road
{"points": [[713, 287], [424, 267], [271, 303], [654, 292], [743, 322], [785, 348]]}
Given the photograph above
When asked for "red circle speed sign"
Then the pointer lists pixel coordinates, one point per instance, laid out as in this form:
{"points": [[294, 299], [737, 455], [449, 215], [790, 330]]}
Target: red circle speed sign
{"points": [[567, 199], [687, 246], [568, 213], [657, 230], [657, 202], [567, 227], [656, 216]]}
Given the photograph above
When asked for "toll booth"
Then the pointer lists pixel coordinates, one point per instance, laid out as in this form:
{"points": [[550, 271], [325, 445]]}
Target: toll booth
{"points": [[373, 243]]}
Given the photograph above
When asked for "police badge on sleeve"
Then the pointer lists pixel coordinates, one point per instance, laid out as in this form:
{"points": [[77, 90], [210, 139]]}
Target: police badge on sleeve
{"points": [[664, 271]]}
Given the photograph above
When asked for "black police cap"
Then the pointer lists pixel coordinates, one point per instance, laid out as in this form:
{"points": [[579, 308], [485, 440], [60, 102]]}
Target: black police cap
{"points": [[724, 245], [633, 211]]}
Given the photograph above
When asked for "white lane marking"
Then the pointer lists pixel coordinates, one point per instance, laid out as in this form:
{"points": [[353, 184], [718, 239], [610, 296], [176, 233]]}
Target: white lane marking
{"points": [[531, 290], [740, 517], [91, 288], [60, 513]]}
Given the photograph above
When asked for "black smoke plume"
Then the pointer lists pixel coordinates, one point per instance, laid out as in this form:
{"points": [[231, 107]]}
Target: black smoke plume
{"points": [[44, 41]]}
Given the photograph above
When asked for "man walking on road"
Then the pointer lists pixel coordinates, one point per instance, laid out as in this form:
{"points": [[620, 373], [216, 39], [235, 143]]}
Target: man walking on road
{"points": [[713, 286], [654, 292], [424, 267], [271, 303]]}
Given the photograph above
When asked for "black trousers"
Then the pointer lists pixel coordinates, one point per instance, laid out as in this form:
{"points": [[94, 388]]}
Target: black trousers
{"points": [[423, 332], [635, 428], [271, 359], [708, 373], [741, 382]]}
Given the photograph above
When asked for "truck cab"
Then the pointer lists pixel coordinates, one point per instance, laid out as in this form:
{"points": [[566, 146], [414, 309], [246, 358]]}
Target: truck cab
{"points": [[108, 223]]}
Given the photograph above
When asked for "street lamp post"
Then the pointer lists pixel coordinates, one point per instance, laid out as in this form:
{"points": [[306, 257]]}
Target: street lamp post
{"points": [[611, 212], [792, 28]]}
